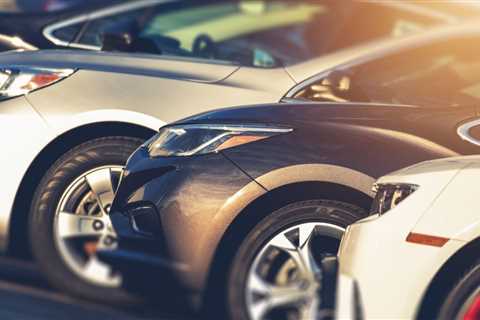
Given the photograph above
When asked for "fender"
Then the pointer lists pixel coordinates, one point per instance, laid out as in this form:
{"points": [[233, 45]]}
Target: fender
{"points": [[48, 135], [461, 227], [318, 172], [254, 190]]}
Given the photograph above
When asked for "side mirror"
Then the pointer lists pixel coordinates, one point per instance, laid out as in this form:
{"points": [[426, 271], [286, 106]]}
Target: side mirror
{"points": [[116, 42]]}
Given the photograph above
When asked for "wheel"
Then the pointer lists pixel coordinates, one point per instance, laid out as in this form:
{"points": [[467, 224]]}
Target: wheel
{"points": [[69, 216], [275, 273], [463, 301]]}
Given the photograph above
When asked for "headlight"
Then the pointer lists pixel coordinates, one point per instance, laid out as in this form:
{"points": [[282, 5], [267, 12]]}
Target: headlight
{"points": [[17, 81], [195, 139], [390, 195]]}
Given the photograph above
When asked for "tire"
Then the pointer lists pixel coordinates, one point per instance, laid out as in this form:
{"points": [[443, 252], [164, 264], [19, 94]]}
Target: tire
{"points": [[462, 296], [332, 218], [57, 265]]}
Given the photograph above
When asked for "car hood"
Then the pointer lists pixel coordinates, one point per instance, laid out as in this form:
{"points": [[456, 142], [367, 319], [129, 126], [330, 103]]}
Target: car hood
{"points": [[299, 112], [438, 171], [141, 64]]}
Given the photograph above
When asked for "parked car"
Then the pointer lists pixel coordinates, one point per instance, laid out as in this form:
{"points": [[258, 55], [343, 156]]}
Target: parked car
{"points": [[86, 112], [420, 245], [239, 205], [259, 31]]}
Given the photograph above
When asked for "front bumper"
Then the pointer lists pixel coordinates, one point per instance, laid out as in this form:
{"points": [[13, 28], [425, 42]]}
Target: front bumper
{"points": [[171, 213], [340, 298], [142, 269], [392, 275]]}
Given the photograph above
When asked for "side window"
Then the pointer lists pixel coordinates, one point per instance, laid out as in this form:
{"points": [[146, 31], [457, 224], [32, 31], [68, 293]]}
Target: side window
{"points": [[243, 32], [126, 22], [260, 33], [68, 33], [445, 74]]}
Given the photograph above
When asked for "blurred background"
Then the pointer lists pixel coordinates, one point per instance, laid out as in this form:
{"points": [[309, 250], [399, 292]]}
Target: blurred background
{"points": [[39, 5]]}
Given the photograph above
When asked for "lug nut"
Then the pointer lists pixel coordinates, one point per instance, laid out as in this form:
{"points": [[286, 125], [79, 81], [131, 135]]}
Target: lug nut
{"points": [[98, 225]]}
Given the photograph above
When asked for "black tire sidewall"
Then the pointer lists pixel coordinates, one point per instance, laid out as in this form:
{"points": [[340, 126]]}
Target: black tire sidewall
{"points": [[461, 291], [327, 211], [83, 158]]}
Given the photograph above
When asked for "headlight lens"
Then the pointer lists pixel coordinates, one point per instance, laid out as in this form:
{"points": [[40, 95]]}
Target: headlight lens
{"points": [[195, 139], [390, 195], [17, 81]]}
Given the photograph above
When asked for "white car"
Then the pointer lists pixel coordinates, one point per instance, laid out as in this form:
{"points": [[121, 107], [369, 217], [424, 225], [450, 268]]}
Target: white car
{"points": [[418, 254]]}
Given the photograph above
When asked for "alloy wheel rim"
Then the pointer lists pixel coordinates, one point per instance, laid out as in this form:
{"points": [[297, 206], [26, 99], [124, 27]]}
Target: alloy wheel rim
{"points": [[82, 224], [284, 278]]}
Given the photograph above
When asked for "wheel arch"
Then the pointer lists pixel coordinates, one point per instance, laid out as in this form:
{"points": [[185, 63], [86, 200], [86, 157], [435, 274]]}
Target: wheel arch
{"points": [[290, 184], [17, 244], [446, 277]]}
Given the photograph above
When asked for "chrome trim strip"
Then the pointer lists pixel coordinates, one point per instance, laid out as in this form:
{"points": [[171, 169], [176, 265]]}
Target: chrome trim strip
{"points": [[49, 30], [204, 145], [64, 72], [463, 131], [234, 128]]}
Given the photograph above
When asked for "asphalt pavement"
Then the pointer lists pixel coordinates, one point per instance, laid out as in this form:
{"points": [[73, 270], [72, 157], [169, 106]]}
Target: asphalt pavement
{"points": [[25, 295]]}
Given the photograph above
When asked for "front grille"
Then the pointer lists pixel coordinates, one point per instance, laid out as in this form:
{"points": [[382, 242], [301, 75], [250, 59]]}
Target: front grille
{"points": [[145, 220]]}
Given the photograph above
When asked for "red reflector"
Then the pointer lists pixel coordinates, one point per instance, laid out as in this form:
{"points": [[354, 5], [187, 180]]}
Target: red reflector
{"points": [[44, 79], [239, 140], [41, 80], [426, 239]]}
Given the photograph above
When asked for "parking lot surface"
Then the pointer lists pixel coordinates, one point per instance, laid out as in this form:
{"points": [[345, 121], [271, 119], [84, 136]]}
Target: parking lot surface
{"points": [[24, 295]]}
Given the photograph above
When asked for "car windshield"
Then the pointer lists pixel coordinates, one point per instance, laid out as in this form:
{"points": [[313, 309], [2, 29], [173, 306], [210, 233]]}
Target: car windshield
{"points": [[252, 33], [442, 74]]}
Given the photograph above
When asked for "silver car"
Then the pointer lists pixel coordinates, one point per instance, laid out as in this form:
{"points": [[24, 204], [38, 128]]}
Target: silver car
{"points": [[70, 119]]}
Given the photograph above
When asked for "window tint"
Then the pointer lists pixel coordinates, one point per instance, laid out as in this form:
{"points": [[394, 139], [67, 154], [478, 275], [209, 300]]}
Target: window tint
{"points": [[365, 21], [121, 23], [258, 33], [68, 33], [445, 74]]}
